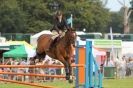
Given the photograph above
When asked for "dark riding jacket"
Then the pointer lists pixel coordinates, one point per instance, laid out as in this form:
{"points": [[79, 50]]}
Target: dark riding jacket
{"points": [[60, 25]]}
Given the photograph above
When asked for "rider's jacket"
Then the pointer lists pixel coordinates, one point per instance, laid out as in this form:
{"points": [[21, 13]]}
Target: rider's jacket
{"points": [[60, 25]]}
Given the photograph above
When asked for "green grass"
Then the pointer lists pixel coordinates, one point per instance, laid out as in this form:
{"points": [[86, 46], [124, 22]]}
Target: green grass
{"points": [[118, 83], [12, 85], [107, 83], [55, 84]]}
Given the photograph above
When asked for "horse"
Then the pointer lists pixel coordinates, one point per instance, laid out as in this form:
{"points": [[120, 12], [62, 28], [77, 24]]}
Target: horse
{"points": [[61, 51]]}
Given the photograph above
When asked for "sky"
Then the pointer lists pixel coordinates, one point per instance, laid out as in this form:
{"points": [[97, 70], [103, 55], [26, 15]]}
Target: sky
{"points": [[114, 5]]}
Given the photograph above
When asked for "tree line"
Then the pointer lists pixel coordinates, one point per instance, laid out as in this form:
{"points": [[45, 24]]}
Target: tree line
{"points": [[31, 16]]}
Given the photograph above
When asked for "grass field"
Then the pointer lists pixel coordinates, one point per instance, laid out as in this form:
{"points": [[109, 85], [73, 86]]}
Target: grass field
{"points": [[118, 83], [107, 83]]}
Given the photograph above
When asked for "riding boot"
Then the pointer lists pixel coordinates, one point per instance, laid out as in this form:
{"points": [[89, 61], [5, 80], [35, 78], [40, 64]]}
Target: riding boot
{"points": [[53, 43]]}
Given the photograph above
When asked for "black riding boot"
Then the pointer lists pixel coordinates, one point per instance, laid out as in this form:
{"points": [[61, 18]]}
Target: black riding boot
{"points": [[53, 43]]}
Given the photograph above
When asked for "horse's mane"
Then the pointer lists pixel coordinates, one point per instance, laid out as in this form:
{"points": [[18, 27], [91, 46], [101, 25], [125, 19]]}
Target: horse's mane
{"points": [[68, 34]]}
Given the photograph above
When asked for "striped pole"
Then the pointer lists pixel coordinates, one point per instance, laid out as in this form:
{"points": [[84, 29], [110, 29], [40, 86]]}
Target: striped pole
{"points": [[76, 62], [87, 81]]}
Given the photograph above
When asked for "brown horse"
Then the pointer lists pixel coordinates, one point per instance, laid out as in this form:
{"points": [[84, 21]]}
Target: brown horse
{"points": [[62, 50]]}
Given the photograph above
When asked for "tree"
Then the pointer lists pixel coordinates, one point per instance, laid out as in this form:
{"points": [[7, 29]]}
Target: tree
{"points": [[131, 2], [116, 22], [127, 13], [87, 14], [36, 15], [24, 16], [11, 18]]}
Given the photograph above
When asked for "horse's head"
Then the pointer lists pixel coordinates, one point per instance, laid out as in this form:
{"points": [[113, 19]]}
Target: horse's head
{"points": [[71, 35]]}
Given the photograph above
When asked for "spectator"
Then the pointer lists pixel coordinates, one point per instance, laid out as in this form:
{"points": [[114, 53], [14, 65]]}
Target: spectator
{"points": [[58, 70]]}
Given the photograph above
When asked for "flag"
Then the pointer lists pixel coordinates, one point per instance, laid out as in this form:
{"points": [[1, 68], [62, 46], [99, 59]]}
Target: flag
{"points": [[69, 20], [111, 35]]}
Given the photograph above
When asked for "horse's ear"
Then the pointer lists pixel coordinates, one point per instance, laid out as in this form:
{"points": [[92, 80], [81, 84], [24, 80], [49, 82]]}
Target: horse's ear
{"points": [[71, 29]]}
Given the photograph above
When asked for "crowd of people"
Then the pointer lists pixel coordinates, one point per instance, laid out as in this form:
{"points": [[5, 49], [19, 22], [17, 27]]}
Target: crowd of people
{"points": [[124, 66], [47, 71]]}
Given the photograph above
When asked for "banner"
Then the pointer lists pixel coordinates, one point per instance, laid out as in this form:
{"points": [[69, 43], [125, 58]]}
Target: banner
{"points": [[69, 21]]}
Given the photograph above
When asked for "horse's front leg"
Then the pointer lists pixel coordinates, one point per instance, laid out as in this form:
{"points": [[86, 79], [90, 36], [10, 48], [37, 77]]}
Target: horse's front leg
{"points": [[70, 71], [66, 66], [67, 70]]}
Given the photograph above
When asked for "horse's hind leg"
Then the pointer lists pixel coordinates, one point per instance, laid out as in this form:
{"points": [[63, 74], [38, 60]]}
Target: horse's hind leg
{"points": [[43, 56], [40, 56]]}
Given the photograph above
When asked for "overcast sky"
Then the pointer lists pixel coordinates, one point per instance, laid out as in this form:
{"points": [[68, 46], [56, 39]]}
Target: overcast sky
{"points": [[114, 5]]}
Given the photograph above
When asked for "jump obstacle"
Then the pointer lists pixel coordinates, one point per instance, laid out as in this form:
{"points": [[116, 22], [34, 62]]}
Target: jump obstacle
{"points": [[91, 75], [87, 72]]}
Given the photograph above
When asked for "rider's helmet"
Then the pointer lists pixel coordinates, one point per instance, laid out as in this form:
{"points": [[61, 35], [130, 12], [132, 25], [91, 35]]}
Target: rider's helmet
{"points": [[59, 13]]}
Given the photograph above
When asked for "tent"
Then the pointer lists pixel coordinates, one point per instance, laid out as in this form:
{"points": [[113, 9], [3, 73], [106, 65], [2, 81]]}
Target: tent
{"points": [[4, 46], [9, 44], [19, 43], [127, 48], [98, 52], [21, 51], [33, 39]]}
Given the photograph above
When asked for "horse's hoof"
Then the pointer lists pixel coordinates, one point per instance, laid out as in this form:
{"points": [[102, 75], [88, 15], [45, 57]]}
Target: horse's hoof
{"points": [[70, 81]]}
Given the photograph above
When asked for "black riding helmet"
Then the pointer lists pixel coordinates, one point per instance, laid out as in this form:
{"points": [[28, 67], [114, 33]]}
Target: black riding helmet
{"points": [[58, 13]]}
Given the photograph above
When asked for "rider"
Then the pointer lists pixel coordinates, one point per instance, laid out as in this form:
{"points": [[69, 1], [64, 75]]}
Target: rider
{"points": [[60, 26]]}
